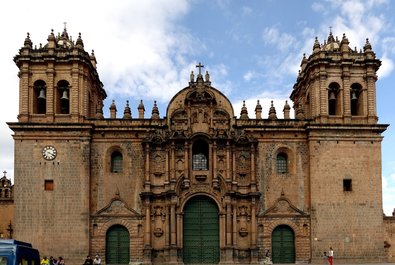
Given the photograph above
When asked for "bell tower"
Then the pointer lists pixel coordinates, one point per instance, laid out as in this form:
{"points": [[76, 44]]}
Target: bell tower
{"points": [[337, 84], [58, 81]]}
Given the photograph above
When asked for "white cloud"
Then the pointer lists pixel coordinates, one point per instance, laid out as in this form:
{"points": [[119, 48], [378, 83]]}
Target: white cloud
{"points": [[386, 68], [281, 41]]}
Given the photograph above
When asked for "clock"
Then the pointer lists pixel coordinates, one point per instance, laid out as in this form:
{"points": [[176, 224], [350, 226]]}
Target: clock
{"points": [[49, 152]]}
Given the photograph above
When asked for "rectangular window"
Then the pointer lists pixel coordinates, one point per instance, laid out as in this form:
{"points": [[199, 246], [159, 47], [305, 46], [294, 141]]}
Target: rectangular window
{"points": [[48, 184], [347, 185]]}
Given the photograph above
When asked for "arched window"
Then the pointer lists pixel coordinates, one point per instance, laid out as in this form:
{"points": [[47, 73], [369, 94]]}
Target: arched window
{"points": [[40, 97], [356, 99], [282, 167], [333, 99], [116, 162], [200, 155], [63, 97]]}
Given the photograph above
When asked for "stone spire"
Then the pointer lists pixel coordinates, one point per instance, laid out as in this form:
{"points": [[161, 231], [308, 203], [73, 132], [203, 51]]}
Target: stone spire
{"points": [[155, 112], [286, 110], [113, 110], [127, 113], [258, 110], [141, 110], [272, 112], [244, 112]]}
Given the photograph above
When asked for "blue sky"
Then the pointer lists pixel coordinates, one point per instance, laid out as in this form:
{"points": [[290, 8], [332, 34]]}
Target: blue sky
{"points": [[252, 50]]}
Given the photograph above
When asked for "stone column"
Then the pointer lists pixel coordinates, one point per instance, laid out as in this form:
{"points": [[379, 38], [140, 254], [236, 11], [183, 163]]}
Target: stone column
{"points": [[167, 173], [234, 228], [147, 234], [253, 225], [147, 166], [228, 224], [227, 161], [252, 166], [186, 163], [173, 237]]}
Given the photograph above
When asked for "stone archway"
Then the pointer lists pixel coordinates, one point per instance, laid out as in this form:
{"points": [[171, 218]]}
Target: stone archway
{"points": [[201, 231]]}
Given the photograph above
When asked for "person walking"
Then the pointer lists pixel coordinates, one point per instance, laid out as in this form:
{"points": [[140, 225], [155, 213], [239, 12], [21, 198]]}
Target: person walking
{"points": [[330, 256]]}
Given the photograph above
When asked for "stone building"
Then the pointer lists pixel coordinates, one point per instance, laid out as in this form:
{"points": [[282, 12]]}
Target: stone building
{"points": [[6, 207], [199, 184]]}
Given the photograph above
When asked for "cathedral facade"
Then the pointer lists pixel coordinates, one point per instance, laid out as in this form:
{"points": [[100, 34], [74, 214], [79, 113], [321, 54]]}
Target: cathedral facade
{"points": [[199, 185]]}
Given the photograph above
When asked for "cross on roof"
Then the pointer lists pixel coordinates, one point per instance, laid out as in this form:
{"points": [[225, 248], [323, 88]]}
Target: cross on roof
{"points": [[200, 66], [4, 172]]}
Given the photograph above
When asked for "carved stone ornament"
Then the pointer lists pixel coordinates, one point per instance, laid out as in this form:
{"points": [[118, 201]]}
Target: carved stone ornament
{"points": [[158, 232], [243, 232]]}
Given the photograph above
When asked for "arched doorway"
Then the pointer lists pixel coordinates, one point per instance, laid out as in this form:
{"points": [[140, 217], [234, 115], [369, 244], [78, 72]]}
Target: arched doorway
{"points": [[117, 245], [201, 231], [283, 245]]}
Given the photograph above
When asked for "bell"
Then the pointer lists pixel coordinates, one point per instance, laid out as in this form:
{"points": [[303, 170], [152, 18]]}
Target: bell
{"points": [[64, 95], [332, 96], [42, 94], [353, 95]]}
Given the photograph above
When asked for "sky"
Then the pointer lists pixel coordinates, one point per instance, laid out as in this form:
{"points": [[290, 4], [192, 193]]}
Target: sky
{"points": [[252, 49]]}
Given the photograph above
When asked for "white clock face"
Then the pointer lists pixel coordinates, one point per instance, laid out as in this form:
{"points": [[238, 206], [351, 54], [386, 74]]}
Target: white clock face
{"points": [[49, 152]]}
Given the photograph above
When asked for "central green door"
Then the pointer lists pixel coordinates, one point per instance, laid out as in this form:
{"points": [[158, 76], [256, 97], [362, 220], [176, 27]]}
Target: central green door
{"points": [[117, 245], [283, 245], [201, 231]]}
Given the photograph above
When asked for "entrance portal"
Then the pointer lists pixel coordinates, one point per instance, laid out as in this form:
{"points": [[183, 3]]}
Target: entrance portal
{"points": [[201, 231], [283, 245]]}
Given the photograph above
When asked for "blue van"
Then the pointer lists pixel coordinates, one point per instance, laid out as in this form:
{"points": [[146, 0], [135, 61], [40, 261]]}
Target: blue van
{"points": [[13, 252]]}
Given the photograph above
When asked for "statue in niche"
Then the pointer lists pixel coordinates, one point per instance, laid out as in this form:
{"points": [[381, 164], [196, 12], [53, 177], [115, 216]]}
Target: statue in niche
{"points": [[243, 220], [159, 218]]}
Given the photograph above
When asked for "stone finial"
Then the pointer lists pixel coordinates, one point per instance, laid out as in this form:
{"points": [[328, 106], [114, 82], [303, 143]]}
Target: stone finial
{"points": [[272, 112], [286, 110], [155, 112], [99, 111], [113, 110], [244, 112], [28, 42], [367, 47], [141, 110], [127, 113], [51, 40], [79, 43], [317, 46], [258, 110], [300, 112]]}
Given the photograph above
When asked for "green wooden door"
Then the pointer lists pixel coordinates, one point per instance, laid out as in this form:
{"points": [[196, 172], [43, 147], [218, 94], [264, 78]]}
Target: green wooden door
{"points": [[283, 245], [117, 245], [201, 231]]}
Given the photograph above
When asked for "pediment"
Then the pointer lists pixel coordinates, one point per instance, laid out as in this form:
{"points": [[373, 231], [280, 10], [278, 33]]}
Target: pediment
{"points": [[117, 207], [283, 207]]}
